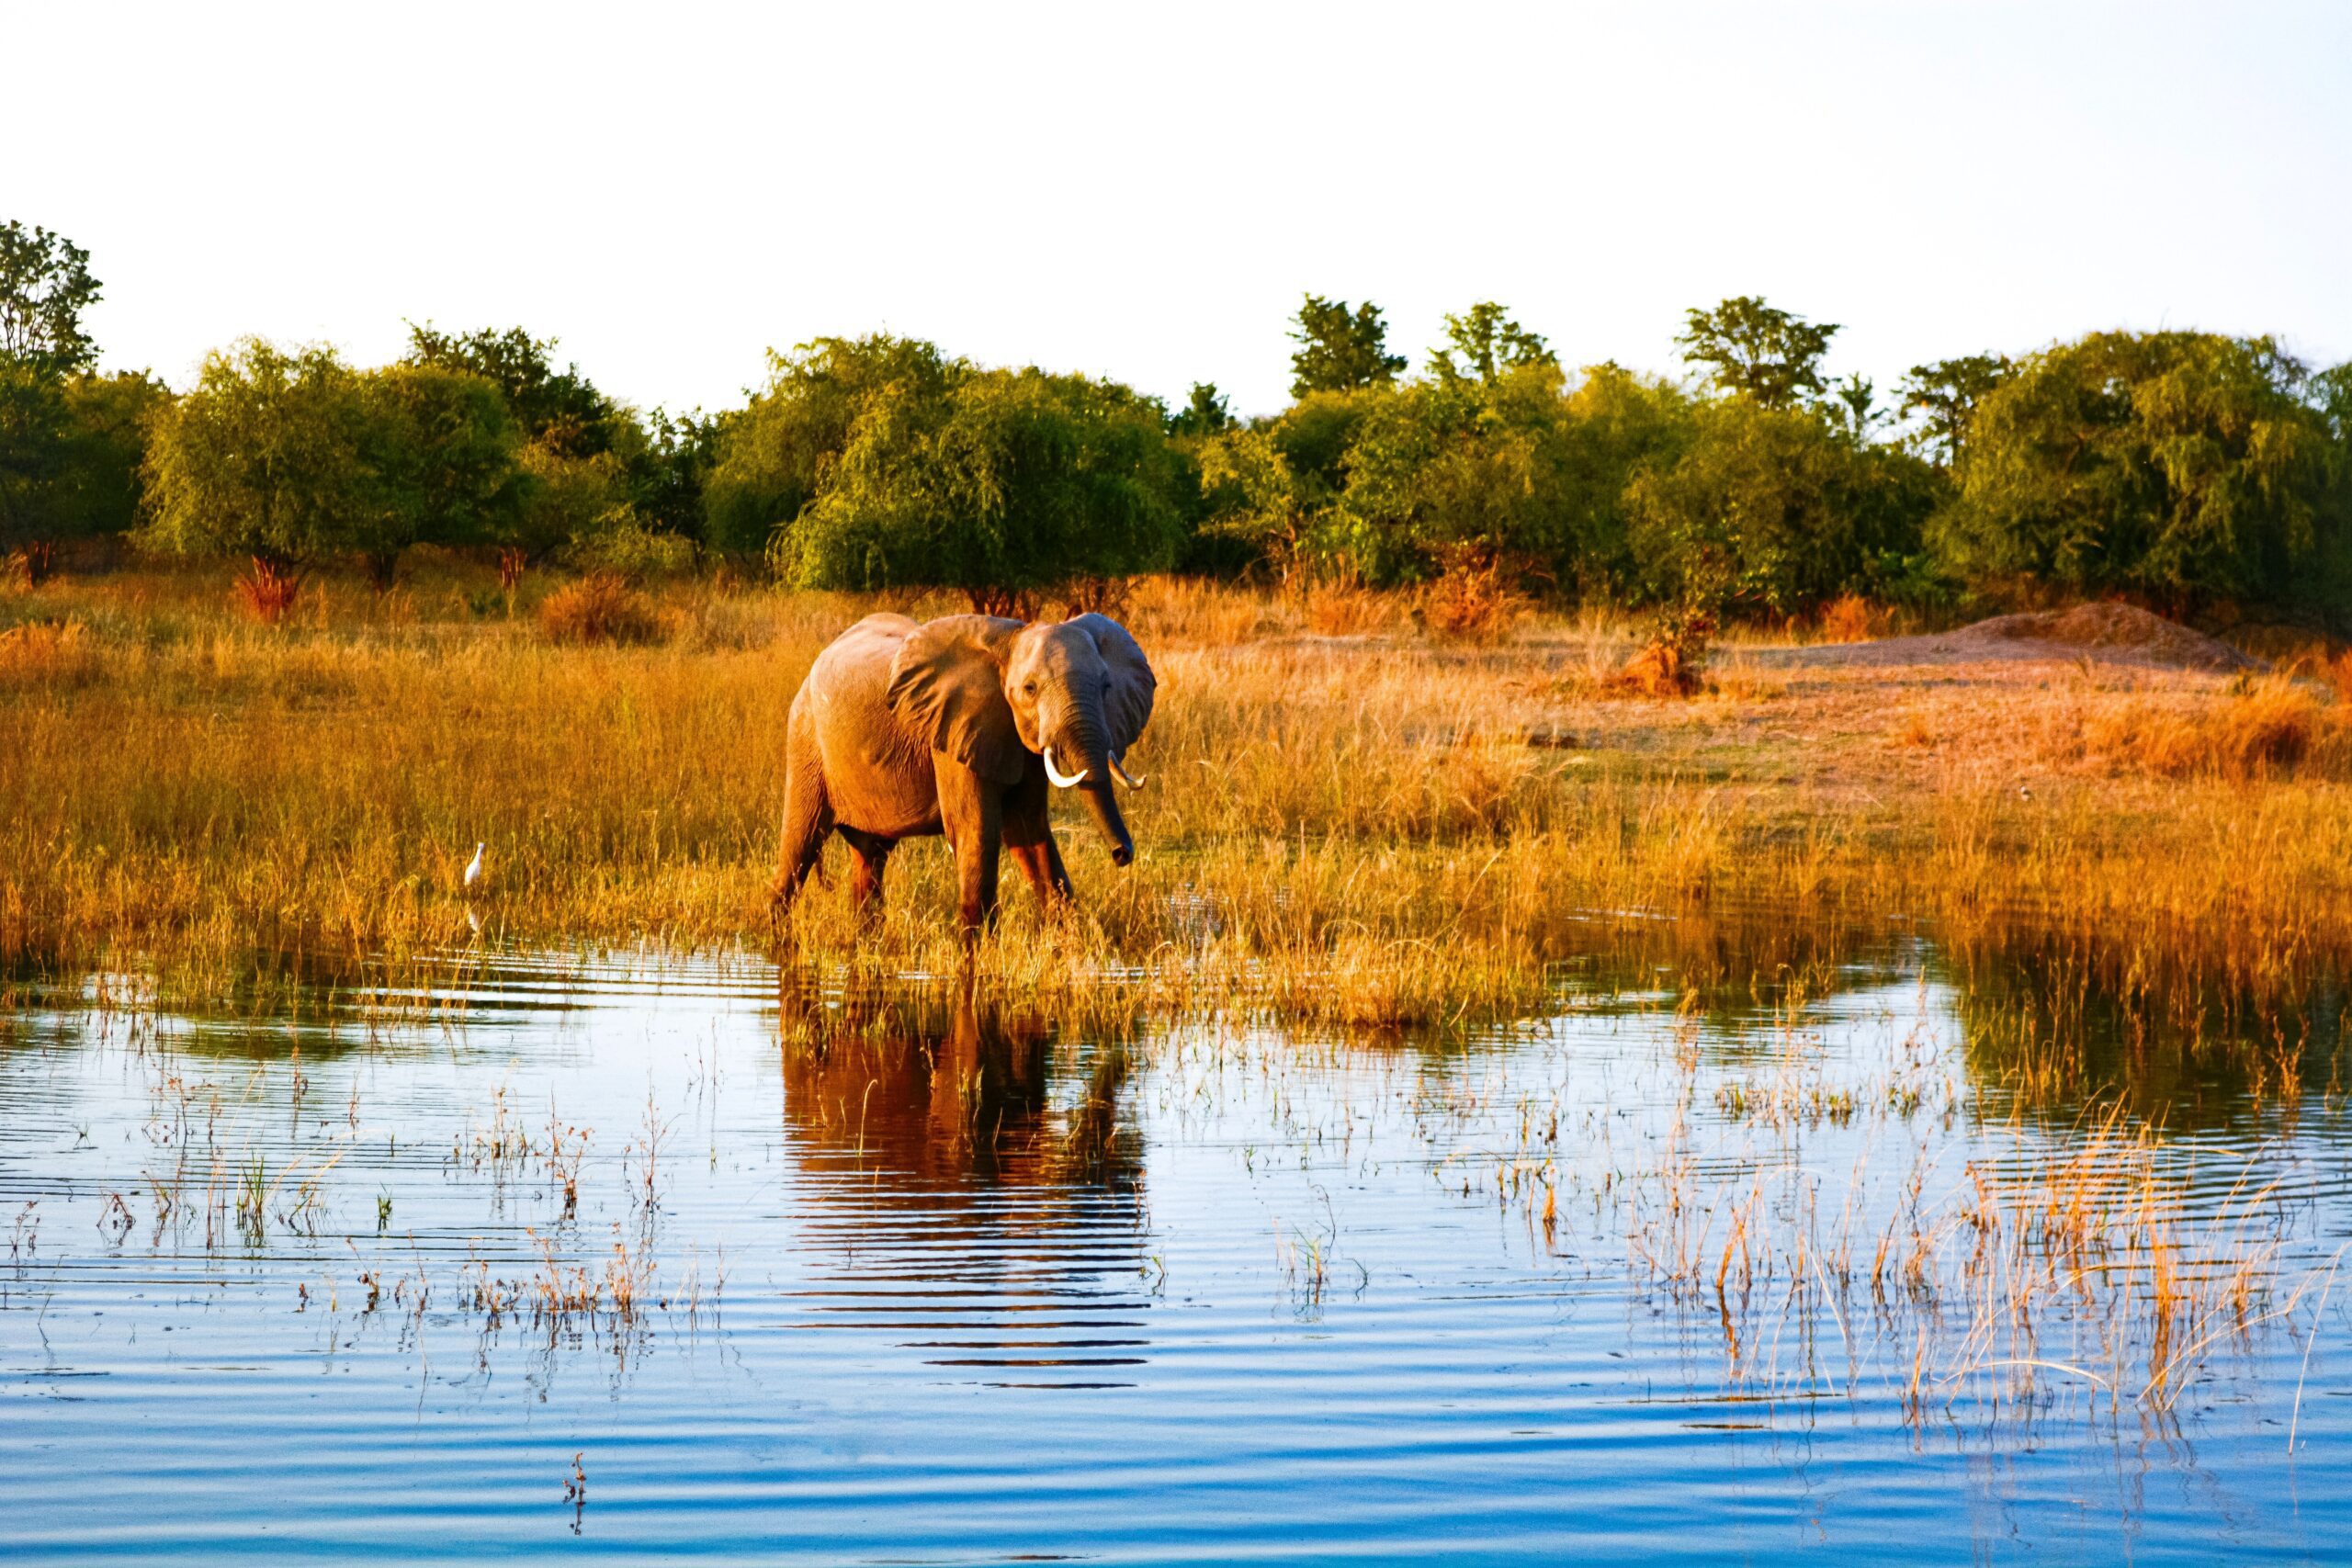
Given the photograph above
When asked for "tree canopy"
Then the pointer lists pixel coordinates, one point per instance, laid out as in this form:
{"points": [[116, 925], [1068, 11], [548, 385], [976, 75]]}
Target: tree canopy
{"points": [[2193, 470], [1756, 351], [558, 409], [1013, 480], [1339, 350], [265, 457], [71, 452], [45, 284], [2185, 466]]}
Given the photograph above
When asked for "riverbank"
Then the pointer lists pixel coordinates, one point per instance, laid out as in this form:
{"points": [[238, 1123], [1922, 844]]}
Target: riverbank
{"points": [[1366, 827]]}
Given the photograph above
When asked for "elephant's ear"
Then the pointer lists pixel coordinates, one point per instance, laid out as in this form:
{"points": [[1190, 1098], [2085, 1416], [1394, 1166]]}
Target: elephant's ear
{"points": [[1127, 696], [948, 682]]}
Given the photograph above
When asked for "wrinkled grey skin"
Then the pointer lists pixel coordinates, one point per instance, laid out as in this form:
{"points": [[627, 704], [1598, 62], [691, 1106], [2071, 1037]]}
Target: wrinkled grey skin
{"points": [[904, 729]]}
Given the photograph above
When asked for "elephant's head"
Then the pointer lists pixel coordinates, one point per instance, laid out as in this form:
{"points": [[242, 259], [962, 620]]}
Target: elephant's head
{"points": [[988, 692]]}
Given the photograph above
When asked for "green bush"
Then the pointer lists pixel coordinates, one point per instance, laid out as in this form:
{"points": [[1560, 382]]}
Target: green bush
{"points": [[2185, 466], [1775, 511]]}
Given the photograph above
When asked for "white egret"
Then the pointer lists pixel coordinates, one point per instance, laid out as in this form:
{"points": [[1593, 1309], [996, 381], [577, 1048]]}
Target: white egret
{"points": [[473, 868]]}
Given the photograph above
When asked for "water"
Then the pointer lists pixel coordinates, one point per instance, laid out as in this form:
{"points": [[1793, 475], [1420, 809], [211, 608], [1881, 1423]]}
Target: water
{"points": [[920, 1281]]}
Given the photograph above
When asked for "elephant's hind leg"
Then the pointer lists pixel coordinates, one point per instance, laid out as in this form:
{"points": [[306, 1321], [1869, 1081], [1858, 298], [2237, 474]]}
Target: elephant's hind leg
{"points": [[866, 882], [807, 817]]}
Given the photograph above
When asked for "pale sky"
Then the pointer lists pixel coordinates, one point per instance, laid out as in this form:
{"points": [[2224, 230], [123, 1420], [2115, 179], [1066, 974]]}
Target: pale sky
{"points": [[1144, 192]]}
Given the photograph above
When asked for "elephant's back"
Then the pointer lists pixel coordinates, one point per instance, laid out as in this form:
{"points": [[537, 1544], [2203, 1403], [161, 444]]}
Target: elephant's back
{"points": [[854, 668], [877, 772]]}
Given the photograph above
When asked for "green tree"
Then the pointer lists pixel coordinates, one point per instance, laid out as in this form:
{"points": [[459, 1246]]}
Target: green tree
{"points": [[1012, 482], [2187, 467], [1448, 463], [1339, 350], [560, 409], [2331, 393], [1253, 497], [588, 462], [771, 459], [267, 457], [1775, 510], [1616, 427], [566, 500], [1315, 434], [1944, 394], [1852, 407], [1391, 483], [35, 427], [71, 452], [1269, 491], [1754, 351], [442, 457], [1490, 344], [681, 451], [1204, 413], [45, 284]]}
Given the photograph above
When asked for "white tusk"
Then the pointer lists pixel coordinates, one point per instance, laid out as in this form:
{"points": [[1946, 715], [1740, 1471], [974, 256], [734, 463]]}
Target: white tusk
{"points": [[1061, 779], [1125, 777]]}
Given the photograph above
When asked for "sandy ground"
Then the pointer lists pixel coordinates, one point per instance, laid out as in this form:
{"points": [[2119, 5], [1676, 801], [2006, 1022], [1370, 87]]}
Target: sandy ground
{"points": [[2105, 634]]}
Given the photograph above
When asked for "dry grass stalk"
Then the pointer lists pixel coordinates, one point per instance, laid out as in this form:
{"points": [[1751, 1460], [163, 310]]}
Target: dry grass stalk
{"points": [[48, 654], [1342, 606], [1374, 808]]}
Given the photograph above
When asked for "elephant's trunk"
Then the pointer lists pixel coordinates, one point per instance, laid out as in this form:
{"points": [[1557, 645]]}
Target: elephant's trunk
{"points": [[1080, 749]]}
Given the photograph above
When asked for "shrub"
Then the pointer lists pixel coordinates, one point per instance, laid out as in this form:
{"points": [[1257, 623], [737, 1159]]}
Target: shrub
{"points": [[267, 590], [1850, 617], [598, 608], [1474, 600], [1674, 662], [2185, 466], [620, 545]]}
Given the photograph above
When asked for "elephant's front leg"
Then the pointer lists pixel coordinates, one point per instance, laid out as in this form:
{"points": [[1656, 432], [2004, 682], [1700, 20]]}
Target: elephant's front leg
{"points": [[972, 811], [1029, 834]]}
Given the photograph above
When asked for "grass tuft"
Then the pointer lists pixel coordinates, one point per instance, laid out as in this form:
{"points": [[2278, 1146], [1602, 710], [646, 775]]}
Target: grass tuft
{"points": [[599, 608]]}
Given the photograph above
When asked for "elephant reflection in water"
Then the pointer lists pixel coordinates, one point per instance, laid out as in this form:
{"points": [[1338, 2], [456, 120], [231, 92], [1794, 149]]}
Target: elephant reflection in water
{"points": [[944, 1196], [926, 1098]]}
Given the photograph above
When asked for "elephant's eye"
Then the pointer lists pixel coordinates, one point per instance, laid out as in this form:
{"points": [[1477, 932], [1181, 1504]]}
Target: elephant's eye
{"points": [[1029, 688]]}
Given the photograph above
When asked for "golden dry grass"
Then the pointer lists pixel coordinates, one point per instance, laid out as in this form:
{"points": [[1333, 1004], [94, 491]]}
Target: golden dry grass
{"points": [[1379, 830], [598, 608]]}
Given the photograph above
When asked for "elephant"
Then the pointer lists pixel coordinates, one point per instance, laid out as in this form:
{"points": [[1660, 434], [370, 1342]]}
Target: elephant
{"points": [[957, 726]]}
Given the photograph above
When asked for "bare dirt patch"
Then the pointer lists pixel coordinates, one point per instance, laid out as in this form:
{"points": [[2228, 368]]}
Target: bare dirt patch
{"points": [[2117, 634]]}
